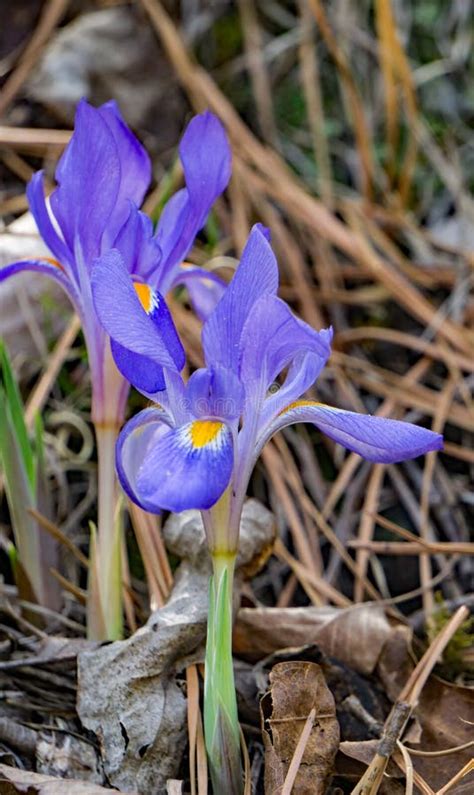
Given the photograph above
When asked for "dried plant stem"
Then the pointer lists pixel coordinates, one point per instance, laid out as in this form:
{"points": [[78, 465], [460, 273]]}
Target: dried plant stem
{"points": [[51, 15], [258, 72], [468, 768], [298, 754], [414, 547], [42, 388], [406, 702]]}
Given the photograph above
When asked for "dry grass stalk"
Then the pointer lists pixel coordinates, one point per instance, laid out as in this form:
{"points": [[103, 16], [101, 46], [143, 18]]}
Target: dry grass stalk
{"points": [[298, 754], [262, 91], [42, 388], [51, 15]]}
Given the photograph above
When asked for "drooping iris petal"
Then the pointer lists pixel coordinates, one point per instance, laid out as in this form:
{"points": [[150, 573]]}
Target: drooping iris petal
{"points": [[132, 444], [137, 244], [272, 337], [88, 176], [374, 438], [256, 276], [205, 289], [39, 209], [136, 317], [48, 268], [206, 159], [215, 392], [188, 467], [135, 168]]}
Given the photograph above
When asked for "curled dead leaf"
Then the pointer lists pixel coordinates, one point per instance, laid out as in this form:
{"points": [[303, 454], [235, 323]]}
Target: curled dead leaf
{"points": [[296, 688]]}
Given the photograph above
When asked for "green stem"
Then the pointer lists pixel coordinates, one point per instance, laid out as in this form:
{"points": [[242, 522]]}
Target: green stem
{"points": [[104, 614], [220, 704]]}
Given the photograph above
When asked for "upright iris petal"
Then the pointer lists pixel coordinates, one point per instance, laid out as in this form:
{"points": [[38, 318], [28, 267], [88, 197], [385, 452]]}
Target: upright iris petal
{"points": [[88, 180], [135, 170], [206, 160], [256, 276]]}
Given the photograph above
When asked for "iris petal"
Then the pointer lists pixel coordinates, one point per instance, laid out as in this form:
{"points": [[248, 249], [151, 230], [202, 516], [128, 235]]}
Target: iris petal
{"points": [[137, 245], [88, 176], [215, 392], [188, 467], [142, 326], [48, 268], [205, 289], [206, 159], [39, 209], [135, 168], [257, 275], [273, 336], [374, 438], [141, 371], [132, 444]]}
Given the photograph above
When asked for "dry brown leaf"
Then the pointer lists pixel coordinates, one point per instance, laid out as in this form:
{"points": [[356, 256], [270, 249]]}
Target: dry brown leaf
{"points": [[295, 689], [364, 751], [354, 635], [13, 781]]}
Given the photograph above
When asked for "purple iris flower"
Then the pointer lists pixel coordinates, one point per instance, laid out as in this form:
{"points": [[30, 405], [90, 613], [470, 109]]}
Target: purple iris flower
{"points": [[202, 439], [102, 178]]}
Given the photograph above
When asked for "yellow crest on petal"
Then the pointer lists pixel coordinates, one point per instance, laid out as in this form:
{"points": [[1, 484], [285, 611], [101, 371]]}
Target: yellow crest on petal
{"points": [[299, 404], [204, 432], [145, 295]]}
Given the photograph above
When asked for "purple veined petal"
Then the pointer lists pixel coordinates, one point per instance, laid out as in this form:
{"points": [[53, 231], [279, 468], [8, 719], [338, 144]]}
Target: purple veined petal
{"points": [[173, 398], [135, 169], [131, 448], [40, 212], [188, 467], [215, 392], [88, 176], [137, 245], [256, 276], [171, 225], [205, 288], [135, 316], [271, 339], [206, 159], [49, 268], [374, 438]]}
